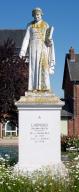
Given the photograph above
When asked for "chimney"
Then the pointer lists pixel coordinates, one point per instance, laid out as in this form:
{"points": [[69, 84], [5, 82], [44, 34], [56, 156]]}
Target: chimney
{"points": [[71, 55]]}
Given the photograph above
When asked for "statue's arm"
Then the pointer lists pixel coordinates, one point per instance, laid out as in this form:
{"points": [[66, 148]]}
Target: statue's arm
{"points": [[49, 33], [52, 59], [25, 43]]}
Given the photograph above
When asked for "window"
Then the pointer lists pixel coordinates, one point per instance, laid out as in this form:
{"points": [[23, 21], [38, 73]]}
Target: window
{"points": [[10, 129]]}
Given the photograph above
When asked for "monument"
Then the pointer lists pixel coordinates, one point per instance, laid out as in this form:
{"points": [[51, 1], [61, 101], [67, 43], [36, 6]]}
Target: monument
{"points": [[39, 110]]}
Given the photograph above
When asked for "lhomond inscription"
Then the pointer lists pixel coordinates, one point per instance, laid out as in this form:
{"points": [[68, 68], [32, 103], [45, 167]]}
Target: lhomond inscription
{"points": [[39, 133]]}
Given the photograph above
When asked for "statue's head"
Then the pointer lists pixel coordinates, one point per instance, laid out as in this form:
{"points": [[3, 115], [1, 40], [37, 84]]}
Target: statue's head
{"points": [[37, 13], [37, 10]]}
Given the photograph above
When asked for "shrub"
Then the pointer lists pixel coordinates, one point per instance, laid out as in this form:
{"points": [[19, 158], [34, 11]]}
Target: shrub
{"points": [[69, 142]]}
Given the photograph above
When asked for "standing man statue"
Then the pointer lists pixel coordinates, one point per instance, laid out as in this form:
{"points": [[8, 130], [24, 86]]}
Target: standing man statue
{"points": [[38, 40]]}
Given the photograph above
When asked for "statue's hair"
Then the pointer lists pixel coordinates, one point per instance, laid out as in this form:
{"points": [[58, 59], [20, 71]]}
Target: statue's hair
{"points": [[37, 10]]}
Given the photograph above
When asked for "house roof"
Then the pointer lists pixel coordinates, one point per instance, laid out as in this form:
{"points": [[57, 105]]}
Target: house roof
{"points": [[15, 34], [71, 68], [66, 109], [65, 112], [74, 70]]}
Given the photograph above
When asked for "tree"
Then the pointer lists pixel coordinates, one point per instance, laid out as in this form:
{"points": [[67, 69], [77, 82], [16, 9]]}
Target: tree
{"points": [[13, 79]]}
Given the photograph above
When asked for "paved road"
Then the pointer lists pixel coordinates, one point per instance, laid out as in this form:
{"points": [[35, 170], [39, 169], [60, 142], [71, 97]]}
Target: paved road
{"points": [[9, 141]]}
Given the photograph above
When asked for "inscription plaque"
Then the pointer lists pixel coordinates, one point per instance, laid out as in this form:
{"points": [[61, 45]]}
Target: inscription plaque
{"points": [[39, 133]]}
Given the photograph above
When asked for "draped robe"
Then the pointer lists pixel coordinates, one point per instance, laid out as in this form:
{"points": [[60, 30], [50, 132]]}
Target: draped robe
{"points": [[41, 57]]}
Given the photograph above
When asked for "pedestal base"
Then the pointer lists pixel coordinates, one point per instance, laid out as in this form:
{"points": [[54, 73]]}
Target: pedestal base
{"points": [[56, 170], [39, 131]]}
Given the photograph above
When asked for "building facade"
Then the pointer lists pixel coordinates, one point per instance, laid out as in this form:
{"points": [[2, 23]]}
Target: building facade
{"points": [[70, 111]]}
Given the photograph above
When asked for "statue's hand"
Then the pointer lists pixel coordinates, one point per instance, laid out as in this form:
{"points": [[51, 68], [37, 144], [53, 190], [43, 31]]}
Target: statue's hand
{"points": [[49, 42], [51, 70]]}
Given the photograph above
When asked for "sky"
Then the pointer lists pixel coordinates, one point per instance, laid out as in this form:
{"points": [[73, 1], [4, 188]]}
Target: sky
{"points": [[62, 14]]}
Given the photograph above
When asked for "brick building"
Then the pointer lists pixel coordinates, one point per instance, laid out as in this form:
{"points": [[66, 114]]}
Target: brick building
{"points": [[70, 111]]}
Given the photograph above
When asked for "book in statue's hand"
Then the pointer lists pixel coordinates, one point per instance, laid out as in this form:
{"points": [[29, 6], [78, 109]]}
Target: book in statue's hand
{"points": [[48, 38]]}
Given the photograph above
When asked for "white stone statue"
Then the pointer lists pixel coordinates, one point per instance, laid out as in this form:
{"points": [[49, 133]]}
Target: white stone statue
{"points": [[38, 40]]}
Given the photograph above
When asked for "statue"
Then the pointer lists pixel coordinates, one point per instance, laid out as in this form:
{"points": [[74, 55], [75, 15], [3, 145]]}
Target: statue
{"points": [[39, 106], [38, 41]]}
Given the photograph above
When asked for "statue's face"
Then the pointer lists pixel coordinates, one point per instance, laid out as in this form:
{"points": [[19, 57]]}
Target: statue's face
{"points": [[37, 16]]}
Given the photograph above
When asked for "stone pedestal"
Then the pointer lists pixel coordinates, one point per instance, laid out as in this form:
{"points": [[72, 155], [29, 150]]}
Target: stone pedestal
{"points": [[39, 130]]}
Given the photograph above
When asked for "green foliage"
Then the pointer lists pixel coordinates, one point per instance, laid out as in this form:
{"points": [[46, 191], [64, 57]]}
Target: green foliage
{"points": [[39, 181], [71, 143], [13, 79]]}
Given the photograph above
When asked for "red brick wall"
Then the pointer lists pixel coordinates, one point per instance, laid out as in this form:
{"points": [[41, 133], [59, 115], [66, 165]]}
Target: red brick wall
{"points": [[70, 127], [73, 127], [76, 99], [73, 124], [76, 125]]}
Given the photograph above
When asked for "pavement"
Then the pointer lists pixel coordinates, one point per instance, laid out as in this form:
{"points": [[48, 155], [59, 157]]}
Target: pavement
{"points": [[8, 141]]}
